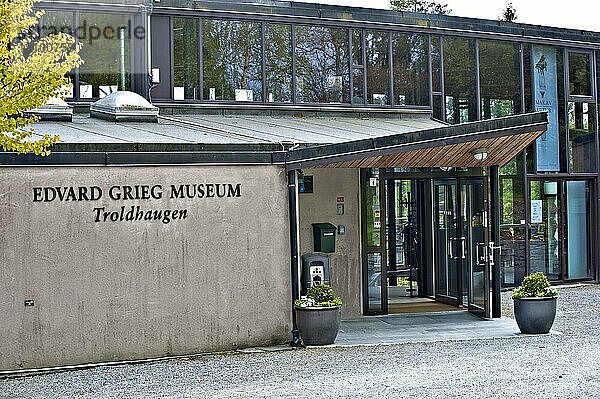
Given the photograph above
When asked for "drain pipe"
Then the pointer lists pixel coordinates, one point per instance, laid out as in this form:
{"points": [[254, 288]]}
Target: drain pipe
{"points": [[293, 202]]}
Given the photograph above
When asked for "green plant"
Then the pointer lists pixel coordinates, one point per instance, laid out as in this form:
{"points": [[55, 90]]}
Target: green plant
{"points": [[535, 285], [320, 295]]}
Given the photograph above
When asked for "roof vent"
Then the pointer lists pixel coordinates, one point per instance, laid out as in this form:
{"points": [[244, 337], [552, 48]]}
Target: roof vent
{"points": [[55, 109], [124, 106]]}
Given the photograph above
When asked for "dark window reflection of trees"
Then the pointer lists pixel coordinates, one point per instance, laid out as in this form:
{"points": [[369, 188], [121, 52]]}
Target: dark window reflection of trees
{"points": [[278, 53], [500, 79], [459, 80], [377, 60], [322, 65], [411, 67], [232, 60]]}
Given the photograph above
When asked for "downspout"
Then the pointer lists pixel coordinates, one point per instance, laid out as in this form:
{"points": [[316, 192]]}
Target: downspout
{"points": [[293, 205]]}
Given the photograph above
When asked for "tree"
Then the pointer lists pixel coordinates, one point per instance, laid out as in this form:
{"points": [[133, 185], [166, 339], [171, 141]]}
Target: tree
{"points": [[423, 6], [32, 70], [509, 14]]}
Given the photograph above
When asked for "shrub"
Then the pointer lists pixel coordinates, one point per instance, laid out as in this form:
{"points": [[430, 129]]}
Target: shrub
{"points": [[319, 296], [536, 285]]}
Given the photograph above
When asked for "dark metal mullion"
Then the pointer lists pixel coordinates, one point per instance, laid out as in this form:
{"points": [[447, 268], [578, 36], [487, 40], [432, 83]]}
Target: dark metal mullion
{"points": [[566, 91], [76, 79], [293, 54], [392, 99], [364, 65], [263, 32], [430, 63], [522, 68], [442, 80], [495, 235], [172, 59], [382, 233], [200, 60], [351, 64], [477, 81]]}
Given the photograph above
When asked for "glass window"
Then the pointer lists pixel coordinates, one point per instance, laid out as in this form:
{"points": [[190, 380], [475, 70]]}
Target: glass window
{"points": [[580, 83], [232, 60], [54, 22], [459, 80], [500, 79], [378, 67], [512, 222], [105, 52], [278, 48], [579, 263], [411, 77], [436, 64], [582, 137], [546, 234], [185, 58], [322, 65]]}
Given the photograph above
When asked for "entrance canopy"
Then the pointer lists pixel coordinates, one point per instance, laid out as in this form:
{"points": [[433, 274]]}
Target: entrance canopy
{"points": [[443, 146]]}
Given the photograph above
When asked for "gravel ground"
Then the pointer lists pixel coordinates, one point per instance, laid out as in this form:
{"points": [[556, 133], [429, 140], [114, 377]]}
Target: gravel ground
{"points": [[550, 366]]}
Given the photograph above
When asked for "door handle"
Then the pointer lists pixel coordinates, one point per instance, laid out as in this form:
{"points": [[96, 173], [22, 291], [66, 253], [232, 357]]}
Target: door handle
{"points": [[492, 249], [451, 248], [463, 241]]}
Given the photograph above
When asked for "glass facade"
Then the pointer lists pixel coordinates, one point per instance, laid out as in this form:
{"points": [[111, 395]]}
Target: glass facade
{"points": [[232, 60], [322, 63], [459, 80], [258, 60], [186, 69]]}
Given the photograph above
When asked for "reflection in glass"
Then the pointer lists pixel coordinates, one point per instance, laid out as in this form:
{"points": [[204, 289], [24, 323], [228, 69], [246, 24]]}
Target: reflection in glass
{"points": [[278, 44], [106, 56], [374, 282], [500, 79], [436, 64], [578, 221], [358, 89], [185, 59], [580, 82], [582, 137], [322, 65], [373, 210], [232, 60], [446, 241], [512, 222], [411, 78], [459, 80], [545, 231], [54, 22], [378, 67]]}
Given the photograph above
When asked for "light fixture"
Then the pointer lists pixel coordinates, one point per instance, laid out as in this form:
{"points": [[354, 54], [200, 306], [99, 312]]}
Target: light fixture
{"points": [[446, 168], [480, 154]]}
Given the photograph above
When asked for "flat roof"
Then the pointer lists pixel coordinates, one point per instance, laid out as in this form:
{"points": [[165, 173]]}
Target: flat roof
{"points": [[296, 141], [235, 128]]}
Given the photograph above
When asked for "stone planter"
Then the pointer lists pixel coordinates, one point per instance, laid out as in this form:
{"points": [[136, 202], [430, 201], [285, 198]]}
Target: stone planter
{"points": [[535, 315], [318, 326]]}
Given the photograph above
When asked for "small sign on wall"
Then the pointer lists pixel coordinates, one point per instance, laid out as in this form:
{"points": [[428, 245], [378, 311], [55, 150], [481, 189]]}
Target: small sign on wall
{"points": [[536, 211]]}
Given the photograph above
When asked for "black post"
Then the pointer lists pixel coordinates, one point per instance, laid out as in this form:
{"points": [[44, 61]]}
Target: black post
{"points": [[293, 200], [495, 237]]}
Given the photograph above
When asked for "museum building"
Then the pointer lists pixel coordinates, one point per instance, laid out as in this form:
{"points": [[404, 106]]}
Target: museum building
{"points": [[209, 148]]}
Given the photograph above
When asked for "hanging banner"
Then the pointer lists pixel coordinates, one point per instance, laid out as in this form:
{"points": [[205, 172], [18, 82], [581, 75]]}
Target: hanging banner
{"points": [[546, 99]]}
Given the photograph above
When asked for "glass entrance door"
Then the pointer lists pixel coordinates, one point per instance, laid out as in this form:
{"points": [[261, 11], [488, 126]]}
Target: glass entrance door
{"points": [[461, 244]]}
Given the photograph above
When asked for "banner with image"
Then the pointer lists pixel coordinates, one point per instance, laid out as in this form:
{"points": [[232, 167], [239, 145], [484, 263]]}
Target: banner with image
{"points": [[546, 99]]}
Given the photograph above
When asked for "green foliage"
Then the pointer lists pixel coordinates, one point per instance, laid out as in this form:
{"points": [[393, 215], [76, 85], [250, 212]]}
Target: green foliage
{"points": [[536, 285], [31, 71], [320, 295], [423, 6], [509, 14]]}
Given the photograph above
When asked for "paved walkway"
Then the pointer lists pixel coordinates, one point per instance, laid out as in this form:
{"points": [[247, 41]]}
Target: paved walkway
{"points": [[423, 327]]}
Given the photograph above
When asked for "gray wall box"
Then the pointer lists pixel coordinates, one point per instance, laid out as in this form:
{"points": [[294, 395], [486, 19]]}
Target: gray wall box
{"points": [[123, 290], [345, 263]]}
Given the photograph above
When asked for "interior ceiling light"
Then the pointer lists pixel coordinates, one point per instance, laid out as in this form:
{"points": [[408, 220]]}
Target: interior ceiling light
{"points": [[480, 154]]}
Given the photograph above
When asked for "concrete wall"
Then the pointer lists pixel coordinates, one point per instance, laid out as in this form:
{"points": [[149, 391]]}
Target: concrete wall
{"points": [[320, 207], [107, 291]]}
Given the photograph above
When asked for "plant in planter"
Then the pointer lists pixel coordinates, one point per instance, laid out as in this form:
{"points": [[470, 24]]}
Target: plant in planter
{"points": [[535, 304], [318, 315]]}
